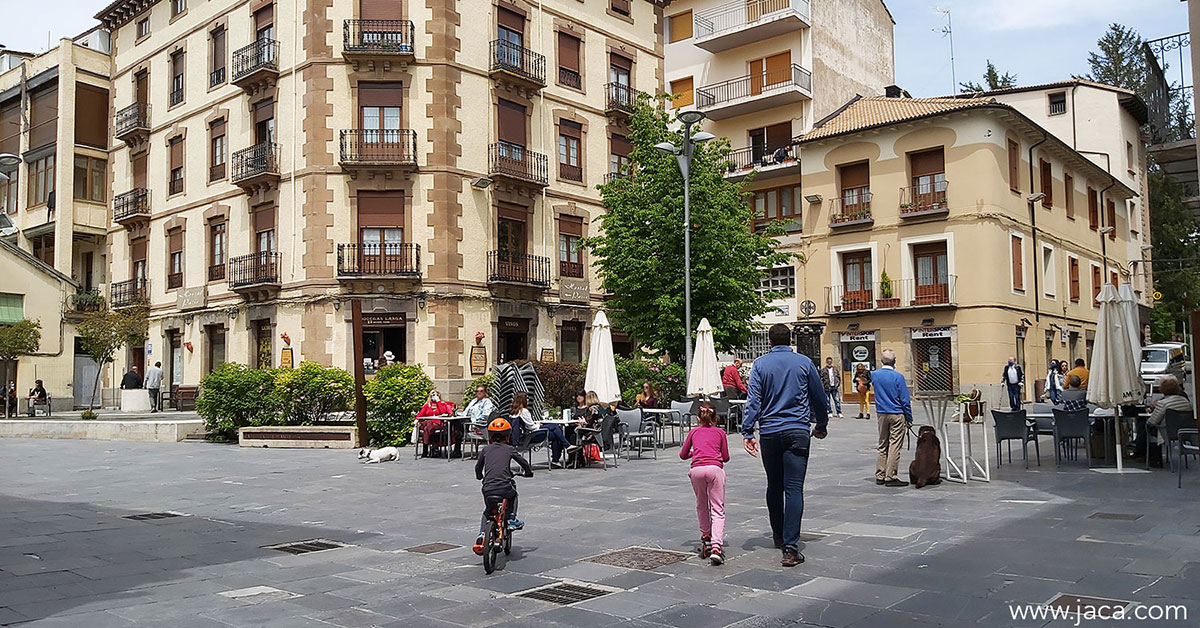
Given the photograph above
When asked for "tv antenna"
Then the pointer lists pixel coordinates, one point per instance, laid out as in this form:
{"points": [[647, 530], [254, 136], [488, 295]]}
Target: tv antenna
{"points": [[948, 32]]}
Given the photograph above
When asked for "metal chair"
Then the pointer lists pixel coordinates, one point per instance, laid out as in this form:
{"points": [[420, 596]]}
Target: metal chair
{"points": [[1012, 425], [1189, 445], [523, 442], [724, 411], [682, 413], [646, 433], [1175, 420], [606, 436], [1073, 428]]}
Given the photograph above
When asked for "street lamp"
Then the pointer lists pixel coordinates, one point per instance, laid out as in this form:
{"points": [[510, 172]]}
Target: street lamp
{"points": [[683, 154]]}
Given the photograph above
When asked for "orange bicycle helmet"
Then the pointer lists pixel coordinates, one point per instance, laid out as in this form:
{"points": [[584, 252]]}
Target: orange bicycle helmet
{"points": [[499, 425]]}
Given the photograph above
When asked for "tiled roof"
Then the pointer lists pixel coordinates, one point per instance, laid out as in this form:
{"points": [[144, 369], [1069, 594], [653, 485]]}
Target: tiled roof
{"points": [[1042, 86], [875, 111]]}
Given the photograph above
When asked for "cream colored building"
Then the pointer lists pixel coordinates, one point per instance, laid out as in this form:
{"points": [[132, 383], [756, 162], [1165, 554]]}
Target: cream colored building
{"points": [[54, 205], [935, 192], [273, 161]]}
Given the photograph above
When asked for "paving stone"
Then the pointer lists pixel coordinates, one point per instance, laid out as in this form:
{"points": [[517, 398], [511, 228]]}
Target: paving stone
{"points": [[629, 604], [877, 595], [578, 617], [766, 580], [695, 616]]}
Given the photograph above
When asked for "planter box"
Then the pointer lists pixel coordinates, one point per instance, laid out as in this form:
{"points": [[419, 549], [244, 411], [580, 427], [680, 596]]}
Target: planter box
{"points": [[300, 437], [892, 302], [170, 431]]}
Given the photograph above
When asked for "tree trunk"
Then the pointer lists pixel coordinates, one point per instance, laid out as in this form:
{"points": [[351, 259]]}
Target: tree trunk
{"points": [[96, 386]]}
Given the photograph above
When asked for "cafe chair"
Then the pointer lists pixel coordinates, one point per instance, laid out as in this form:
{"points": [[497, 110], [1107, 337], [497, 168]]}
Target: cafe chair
{"points": [[1176, 420], [724, 411], [607, 437], [1189, 445], [682, 413], [1012, 425], [644, 438], [1071, 430]]}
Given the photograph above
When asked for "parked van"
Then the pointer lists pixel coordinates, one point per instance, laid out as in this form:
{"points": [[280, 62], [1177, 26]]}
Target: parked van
{"points": [[1160, 360]]}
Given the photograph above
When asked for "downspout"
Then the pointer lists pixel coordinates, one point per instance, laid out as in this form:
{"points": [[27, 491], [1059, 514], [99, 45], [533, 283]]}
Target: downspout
{"points": [[548, 220], [1103, 214], [295, 113], [1074, 136], [1037, 291]]}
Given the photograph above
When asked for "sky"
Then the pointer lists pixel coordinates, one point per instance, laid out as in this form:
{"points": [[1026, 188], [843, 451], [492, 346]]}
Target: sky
{"points": [[1038, 40]]}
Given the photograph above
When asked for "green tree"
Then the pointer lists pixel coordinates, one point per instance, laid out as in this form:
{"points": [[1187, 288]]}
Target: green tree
{"points": [[639, 252], [102, 333], [992, 79], [17, 339], [1119, 62], [1173, 234]]}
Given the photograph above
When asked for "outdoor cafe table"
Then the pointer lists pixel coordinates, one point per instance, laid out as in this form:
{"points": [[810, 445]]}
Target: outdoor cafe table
{"points": [[448, 432], [1098, 414]]}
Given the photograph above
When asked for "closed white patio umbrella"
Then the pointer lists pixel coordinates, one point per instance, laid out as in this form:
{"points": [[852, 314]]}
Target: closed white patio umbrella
{"points": [[1114, 378], [704, 378], [601, 374]]}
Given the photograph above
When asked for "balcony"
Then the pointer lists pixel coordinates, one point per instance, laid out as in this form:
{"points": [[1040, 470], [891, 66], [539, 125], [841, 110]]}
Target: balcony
{"points": [[755, 92], [517, 65], [505, 267], [256, 167], [132, 124], [619, 99], [391, 259], [129, 293], [254, 272], [747, 21], [256, 67], [847, 213], [767, 163], [571, 269], [131, 207], [615, 176], [85, 301], [370, 43], [570, 78], [390, 149], [216, 77], [216, 272], [897, 294], [924, 201], [518, 164]]}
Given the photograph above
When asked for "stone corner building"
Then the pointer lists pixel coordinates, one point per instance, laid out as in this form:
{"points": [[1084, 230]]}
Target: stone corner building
{"points": [[437, 159]]}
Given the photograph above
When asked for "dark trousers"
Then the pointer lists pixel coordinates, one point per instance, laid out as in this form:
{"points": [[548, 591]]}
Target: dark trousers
{"points": [[510, 495], [558, 440], [785, 459], [155, 398], [1014, 396], [732, 392]]}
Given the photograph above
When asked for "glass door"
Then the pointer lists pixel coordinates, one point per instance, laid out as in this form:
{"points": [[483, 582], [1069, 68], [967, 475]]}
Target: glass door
{"points": [[856, 275], [933, 279]]}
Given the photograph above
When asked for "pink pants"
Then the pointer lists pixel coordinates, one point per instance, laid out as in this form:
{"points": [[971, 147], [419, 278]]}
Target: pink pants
{"points": [[708, 482]]}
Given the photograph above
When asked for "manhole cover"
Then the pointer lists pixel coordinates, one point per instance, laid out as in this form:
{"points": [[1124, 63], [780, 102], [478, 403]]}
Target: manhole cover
{"points": [[1085, 604], [431, 548], [149, 516], [567, 592], [1115, 515], [643, 558], [304, 547]]}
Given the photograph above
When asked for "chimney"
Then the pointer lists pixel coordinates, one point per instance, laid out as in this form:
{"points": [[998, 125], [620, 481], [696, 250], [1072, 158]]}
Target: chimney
{"points": [[894, 91]]}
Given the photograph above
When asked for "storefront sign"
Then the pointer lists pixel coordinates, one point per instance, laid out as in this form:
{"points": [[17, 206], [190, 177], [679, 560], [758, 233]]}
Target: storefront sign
{"points": [[783, 309], [383, 319], [573, 289], [856, 336], [547, 355], [191, 298], [478, 360], [285, 358], [860, 353], [931, 332], [934, 358]]}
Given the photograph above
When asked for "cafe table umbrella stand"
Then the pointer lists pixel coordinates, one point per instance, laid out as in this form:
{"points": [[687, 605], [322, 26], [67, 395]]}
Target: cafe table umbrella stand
{"points": [[601, 374], [704, 377], [1114, 379]]}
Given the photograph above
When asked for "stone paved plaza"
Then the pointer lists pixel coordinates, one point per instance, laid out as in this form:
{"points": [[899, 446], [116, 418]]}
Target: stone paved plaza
{"points": [[950, 555]]}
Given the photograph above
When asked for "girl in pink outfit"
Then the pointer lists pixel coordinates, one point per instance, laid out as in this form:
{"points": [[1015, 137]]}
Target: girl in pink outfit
{"points": [[708, 448]]}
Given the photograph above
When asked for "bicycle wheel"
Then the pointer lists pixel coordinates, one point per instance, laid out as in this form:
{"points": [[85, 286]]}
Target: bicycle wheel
{"points": [[489, 548]]}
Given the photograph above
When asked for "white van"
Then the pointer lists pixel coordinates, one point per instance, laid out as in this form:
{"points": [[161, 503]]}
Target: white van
{"points": [[1160, 360]]}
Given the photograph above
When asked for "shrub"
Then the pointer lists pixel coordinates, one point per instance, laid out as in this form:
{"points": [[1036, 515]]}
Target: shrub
{"points": [[487, 381], [234, 396], [311, 392], [393, 398], [561, 381], [669, 380], [87, 415]]}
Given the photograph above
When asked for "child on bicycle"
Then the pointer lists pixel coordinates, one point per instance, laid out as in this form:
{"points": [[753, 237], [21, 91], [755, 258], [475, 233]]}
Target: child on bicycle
{"points": [[494, 468], [708, 448]]}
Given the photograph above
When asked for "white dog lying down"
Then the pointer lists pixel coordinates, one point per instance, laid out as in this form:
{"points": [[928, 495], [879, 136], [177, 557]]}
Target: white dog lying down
{"points": [[387, 454]]}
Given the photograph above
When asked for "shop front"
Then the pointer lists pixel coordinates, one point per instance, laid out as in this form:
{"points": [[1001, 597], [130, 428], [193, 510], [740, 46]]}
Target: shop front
{"points": [[933, 362], [857, 348]]}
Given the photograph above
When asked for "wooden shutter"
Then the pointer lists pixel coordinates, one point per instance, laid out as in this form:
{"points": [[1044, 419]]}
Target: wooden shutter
{"points": [[380, 9], [681, 89], [508, 211], [381, 209], [1073, 269], [218, 48], [1014, 165], [779, 135], [43, 114], [139, 171], [142, 87], [175, 241], [568, 52], [177, 153], [570, 225], [620, 145], [91, 115], [1112, 278], [264, 218], [1047, 183], [1093, 209], [1110, 212], [264, 17], [10, 127], [620, 61], [511, 119], [137, 250], [510, 19], [1096, 281], [570, 129], [621, 6], [778, 68], [264, 110], [380, 94], [681, 26], [1017, 268], [927, 162], [1069, 194], [855, 175]]}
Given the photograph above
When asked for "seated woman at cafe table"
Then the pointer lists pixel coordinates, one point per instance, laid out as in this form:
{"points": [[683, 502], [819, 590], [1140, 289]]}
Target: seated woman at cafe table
{"points": [[519, 411], [1173, 399], [647, 398], [1073, 398], [431, 429]]}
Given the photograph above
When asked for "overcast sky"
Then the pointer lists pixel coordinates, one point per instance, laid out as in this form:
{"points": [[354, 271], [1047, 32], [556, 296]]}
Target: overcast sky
{"points": [[1038, 40]]}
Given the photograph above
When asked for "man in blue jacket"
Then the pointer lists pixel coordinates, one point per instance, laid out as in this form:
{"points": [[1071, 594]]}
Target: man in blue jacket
{"points": [[787, 401], [893, 406]]}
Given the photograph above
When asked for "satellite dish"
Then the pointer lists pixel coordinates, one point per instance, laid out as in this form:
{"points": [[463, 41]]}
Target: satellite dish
{"points": [[7, 227]]}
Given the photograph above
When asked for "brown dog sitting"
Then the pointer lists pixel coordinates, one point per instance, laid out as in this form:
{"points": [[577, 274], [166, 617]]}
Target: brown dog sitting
{"points": [[926, 467]]}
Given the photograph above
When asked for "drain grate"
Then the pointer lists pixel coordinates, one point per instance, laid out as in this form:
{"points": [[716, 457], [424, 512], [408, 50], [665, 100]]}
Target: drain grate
{"points": [[567, 593], [1117, 516], [150, 516], [644, 558], [305, 547], [1087, 604], [431, 548]]}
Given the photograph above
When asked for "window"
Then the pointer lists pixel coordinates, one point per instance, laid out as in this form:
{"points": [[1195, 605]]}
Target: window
{"points": [[263, 223], [91, 116], [8, 193], [929, 184], [41, 180], [568, 61], [12, 308], [932, 267], [569, 136], [263, 117], [216, 74], [264, 25], [1057, 102], [777, 204], [174, 258], [175, 181], [1096, 281], [178, 6], [1047, 182], [570, 257], [773, 70], [10, 127], [1069, 194], [781, 280], [620, 69], [618, 158], [1093, 209], [1049, 276], [1113, 278], [143, 27], [857, 280], [1110, 217], [620, 6], [855, 187], [43, 248], [89, 179], [1129, 156], [1017, 254], [217, 249], [511, 121], [1014, 166], [679, 27], [216, 346], [765, 142], [681, 91], [572, 341], [1073, 275], [176, 78], [216, 158], [43, 116]]}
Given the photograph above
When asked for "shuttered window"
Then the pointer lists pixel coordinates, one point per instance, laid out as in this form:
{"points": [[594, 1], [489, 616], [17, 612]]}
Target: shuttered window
{"points": [[381, 208], [511, 120], [1014, 166], [681, 91], [137, 250], [43, 117], [380, 9], [175, 181], [1093, 209], [264, 18], [570, 136], [175, 258], [1110, 212], [91, 116], [926, 163], [139, 171], [217, 63], [1047, 183], [1069, 194], [620, 6], [510, 19], [216, 157], [10, 127], [618, 157], [855, 175], [568, 52], [1018, 269], [1073, 270], [680, 26], [1097, 280]]}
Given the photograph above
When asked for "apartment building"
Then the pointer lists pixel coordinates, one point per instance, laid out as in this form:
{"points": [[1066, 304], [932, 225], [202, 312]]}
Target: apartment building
{"points": [[54, 196], [273, 161], [921, 236]]}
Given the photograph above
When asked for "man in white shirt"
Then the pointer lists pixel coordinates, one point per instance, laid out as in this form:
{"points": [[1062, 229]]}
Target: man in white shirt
{"points": [[1013, 378], [153, 382]]}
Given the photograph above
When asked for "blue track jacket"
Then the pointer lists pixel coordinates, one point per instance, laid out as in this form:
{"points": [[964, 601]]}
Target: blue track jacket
{"points": [[785, 393]]}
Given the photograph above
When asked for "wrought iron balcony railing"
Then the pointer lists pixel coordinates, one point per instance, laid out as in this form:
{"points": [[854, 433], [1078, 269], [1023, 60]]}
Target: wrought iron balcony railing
{"points": [[378, 36], [755, 157], [894, 294], [619, 97], [753, 85], [262, 54], [518, 60], [129, 293], [216, 77], [570, 269], [850, 211], [132, 204], [570, 78], [519, 268], [135, 117], [378, 146], [255, 269], [216, 272], [257, 160], [924, 200], [373, 260], [514, 160]]}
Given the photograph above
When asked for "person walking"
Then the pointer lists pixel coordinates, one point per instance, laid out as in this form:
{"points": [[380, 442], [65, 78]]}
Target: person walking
{"points": [[1013, 378], [893, 404], [154, 377], [131, 380], [1054, 382], [787, 402], [708, 448], [831, 379], [731, 380], [862, 385]]}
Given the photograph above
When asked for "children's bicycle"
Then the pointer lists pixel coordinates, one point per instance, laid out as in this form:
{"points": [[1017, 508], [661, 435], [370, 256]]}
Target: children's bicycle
{"points": [[497, 535]]}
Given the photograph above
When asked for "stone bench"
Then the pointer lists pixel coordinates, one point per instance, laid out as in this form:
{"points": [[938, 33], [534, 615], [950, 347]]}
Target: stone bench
{"points": [[146, 431], [300, 437]]}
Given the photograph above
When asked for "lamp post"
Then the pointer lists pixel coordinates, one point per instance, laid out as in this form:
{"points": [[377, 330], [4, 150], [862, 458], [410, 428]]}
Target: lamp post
{"points": [[683, 154]]}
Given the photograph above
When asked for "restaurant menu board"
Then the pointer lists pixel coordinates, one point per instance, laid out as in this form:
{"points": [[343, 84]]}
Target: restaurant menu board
{"points": [[285, 358], [478, 360]]}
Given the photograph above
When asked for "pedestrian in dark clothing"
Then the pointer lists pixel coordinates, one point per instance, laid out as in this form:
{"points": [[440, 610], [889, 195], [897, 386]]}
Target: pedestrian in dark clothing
{"points": [[132, 380], [1013, 378], [494, 468]]}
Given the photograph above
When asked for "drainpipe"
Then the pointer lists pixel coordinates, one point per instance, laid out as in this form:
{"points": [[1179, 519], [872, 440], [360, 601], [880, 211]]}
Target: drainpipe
{"points": [[1074, 135], [1037, 291], [296, 219], [1103, 214]]}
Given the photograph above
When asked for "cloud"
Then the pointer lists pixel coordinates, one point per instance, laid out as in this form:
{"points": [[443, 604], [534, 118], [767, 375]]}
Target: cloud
{"points": [[1020, 15]]}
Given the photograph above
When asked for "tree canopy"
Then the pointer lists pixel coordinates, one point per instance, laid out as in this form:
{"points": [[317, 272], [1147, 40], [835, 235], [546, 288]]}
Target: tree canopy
{"points": [[1119, 61], [19, 338], [992, 79], [102, 333], [639, 250], [1173, 233]]}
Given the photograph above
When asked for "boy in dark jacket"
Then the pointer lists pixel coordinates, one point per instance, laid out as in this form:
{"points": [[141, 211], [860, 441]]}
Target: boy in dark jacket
{"points": [[494, 468]]}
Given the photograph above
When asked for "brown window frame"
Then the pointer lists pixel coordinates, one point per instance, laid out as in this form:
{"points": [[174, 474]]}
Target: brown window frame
{"points": [[9, 192], [1069, 194], [41, 180], [143, 28], [678, 98], [178, 7], [217, 230], [218, 51], [178, 87], [794, 209], [175, 258], [570, 131], [175, 168], [1014, 166], [569, 64], [1017, 253], [1110, 215], [95, 171], [1093, 208], [1046, 181], [1097, 282], [218, 157], [1073, 274], [621, 7]]}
